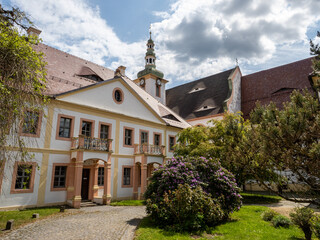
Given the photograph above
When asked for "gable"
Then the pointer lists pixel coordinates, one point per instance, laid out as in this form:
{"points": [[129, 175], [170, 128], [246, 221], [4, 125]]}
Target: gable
{"points": [[101, 96]]}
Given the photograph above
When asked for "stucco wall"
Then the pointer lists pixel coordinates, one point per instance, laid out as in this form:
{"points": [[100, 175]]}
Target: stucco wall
{"points": [[235, 105]]}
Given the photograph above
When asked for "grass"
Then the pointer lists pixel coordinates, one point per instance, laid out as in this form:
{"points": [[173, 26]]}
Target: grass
{"points": [[244, 225], [251, 198], [25, 216], [128, 203]]}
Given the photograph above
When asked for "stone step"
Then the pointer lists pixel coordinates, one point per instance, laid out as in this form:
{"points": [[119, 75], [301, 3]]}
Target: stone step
{"points": [[88, 204]]}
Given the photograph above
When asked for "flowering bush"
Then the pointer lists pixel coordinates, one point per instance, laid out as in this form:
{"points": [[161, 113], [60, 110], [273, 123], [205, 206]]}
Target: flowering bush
{"points": [[186, 209], [216, 183]]}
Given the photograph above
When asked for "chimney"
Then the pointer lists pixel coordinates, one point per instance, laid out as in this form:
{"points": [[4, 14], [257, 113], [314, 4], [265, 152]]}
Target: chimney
{"points": [[122, 70], [33, 31]]}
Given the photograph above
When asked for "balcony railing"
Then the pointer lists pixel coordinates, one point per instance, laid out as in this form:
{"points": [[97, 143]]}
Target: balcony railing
{"points": [[149, 149], [98, 144]]}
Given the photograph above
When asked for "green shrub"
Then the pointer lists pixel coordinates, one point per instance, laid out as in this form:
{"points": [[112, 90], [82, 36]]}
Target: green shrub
{"points": [[302, 217], [281, 221], [316, 226], [186, 209], [206, 184], [268, 215]]}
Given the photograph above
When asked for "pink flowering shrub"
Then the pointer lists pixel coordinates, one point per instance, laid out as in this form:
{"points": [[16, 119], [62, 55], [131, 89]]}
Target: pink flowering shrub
{"points": [[217, 186]]}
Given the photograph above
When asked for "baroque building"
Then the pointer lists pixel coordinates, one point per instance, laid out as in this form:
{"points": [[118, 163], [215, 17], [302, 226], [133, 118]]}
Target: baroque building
{"points": [[102, 134]]}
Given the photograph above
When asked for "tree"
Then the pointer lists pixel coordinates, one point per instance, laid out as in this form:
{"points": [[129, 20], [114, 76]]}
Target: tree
{"points": [[22, 80], [287, 142], [223, 140]]}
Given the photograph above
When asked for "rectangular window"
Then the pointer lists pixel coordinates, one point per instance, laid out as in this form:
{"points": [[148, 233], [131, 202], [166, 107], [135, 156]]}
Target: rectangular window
{"points": [[60, 175], [31, 122], [172, 142], [158, 88], [126, 176], [144, 137], [65, 127], [86, 128], [156, 139], [104, 131], [23, 177], [128, 135], [101, 176]]}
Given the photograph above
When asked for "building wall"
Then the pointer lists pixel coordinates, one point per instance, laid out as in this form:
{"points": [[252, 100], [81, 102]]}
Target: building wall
{"points": [[235, 104], [150, 87], [49, 149], [204, 121], [8, 199]]}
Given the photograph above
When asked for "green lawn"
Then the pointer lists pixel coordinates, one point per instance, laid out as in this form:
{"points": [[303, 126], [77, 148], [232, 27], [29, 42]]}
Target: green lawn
{"points": [[24, 216], [246, 224], [251, 198], [128, 203]]}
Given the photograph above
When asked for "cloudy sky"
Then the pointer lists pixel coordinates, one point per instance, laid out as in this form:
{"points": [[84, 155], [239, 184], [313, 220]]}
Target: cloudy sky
{"points": [[194, 38]]}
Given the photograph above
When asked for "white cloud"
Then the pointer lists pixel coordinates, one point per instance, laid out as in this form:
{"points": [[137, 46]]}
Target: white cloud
{"points": [[75, 27], [199, 38], [193, 40]]}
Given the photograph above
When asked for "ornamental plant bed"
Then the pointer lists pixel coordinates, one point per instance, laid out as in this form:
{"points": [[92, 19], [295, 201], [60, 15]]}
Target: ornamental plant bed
{"points": [[245, 224]]}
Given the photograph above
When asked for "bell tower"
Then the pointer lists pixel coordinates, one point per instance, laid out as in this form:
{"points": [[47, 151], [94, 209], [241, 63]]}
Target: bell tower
{"points": [[151, 79]]}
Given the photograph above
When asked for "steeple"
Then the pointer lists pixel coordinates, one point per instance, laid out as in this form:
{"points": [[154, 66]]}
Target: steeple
{"points": [[150, 58], [150, 79]]}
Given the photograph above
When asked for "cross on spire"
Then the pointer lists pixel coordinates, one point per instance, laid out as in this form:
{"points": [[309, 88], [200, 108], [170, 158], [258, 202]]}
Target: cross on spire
{"points": [[150, 30]]}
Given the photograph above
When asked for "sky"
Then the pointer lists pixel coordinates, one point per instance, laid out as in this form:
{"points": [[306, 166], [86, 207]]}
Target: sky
{"points": [[193, 38]]}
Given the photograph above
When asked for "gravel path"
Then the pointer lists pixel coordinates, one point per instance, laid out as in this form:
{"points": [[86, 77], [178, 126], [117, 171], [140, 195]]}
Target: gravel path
{"points": [[100, 222], [285, 207]]}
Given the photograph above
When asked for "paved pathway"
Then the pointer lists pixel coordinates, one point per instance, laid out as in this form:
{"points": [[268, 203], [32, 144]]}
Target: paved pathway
{"points": [[100, 222], [285, 207]]}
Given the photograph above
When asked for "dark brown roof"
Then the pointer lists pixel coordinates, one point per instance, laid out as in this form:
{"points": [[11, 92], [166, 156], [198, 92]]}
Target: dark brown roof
{"points": [[274, 84], [203, 97], [63, 70]]}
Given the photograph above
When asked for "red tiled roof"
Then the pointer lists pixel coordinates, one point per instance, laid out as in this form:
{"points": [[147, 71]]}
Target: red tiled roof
{"points": [[275, 84], [63, 70]]}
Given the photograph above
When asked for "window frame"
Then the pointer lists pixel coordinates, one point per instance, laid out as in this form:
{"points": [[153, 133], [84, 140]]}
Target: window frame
{"points": [[101, 186], [124, 137], [92, 126], [53, 176], [131, 176], [109, 130], [122, 95], [160, 138], [14, 178], [174, 141], [140, 136], [158, 88], [38, 130], [71, 127]]}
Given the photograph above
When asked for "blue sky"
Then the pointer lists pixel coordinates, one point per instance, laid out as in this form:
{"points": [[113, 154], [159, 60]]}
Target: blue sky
{"points": [[194, 39]]}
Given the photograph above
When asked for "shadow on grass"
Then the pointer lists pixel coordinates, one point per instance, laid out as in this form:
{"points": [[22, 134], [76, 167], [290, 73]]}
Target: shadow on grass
{"points": [[296, 238], [250, 198]]}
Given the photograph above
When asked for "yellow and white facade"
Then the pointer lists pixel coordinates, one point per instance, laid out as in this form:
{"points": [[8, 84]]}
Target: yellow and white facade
{"points": [[98, 142]]}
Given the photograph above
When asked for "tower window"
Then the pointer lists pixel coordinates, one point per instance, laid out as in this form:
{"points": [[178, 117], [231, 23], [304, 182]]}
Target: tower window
{"points": [[158, 90]]}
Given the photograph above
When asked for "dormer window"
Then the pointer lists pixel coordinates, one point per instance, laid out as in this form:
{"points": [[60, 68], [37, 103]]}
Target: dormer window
{"points": [[92, 77], [204, 108], [197, 89]]}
